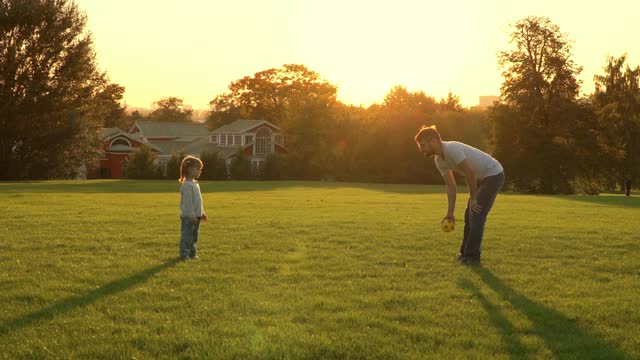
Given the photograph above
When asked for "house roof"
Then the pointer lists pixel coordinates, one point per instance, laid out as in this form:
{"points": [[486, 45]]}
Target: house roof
{"points": [[106, 133], [150, 129], [170, 147], [201, 146], [241, 126], [112, 133]]}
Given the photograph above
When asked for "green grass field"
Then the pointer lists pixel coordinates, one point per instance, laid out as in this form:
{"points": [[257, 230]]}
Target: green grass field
{"points": [[313, 270]]}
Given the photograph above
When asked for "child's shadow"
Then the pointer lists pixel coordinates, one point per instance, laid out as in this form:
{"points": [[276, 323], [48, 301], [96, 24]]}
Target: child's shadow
{"points": [[561, 334], [74, 302]]}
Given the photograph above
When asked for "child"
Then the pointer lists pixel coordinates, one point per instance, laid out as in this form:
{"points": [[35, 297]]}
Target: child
{"points": [[191, 210]]}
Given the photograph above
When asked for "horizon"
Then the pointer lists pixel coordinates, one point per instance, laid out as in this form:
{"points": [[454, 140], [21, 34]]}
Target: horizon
{"points": [[364, 49]]}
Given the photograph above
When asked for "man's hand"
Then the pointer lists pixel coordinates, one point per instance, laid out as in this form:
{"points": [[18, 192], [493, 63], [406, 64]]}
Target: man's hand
{"points": [[449, 217], [204, 217], [474, 207]]}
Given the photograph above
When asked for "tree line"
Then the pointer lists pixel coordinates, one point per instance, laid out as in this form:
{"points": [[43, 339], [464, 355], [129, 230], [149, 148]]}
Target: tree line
{"points": [[54, 101]]}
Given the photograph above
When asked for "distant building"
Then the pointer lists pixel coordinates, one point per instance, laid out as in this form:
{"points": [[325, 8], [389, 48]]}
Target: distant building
{"points": [[487, 101], [255, 138]]}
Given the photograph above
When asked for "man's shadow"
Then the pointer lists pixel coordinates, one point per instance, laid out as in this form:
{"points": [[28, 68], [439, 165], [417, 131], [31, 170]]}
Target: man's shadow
{"points": [[561, 334], [74, 302]]}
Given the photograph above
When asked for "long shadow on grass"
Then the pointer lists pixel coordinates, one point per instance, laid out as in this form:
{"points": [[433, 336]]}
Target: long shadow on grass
{"points": [[516, 349], [563, 337], [74, 302]]}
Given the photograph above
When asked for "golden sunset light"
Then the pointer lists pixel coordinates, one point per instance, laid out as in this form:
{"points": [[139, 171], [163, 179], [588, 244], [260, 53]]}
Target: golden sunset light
{"points": [[194, 49], [319, 179]]}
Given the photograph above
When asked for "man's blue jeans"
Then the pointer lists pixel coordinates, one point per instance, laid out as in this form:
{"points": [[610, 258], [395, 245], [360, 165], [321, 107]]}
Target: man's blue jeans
{"points": [[474, 222], [188, 237]]}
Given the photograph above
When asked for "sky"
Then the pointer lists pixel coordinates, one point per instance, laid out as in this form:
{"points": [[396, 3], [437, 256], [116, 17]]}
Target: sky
{"points": [[193, 49]]}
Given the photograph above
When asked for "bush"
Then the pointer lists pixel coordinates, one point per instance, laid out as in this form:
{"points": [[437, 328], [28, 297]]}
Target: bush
{"points": [[240, 168], [213, 166], [173, 166], [588, 186], [274, 167], [141, 163]]}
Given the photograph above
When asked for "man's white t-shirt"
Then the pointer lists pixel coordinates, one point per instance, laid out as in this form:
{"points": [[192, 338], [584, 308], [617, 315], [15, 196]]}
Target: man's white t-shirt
{"points": [[481, 163]]}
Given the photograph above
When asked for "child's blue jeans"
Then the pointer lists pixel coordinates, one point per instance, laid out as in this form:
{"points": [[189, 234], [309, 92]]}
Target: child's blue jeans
{"points": [[188, 237]]}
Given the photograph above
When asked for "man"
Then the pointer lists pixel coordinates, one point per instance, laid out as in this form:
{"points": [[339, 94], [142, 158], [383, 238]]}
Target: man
{"points": [[627, 185], [484, 175]]}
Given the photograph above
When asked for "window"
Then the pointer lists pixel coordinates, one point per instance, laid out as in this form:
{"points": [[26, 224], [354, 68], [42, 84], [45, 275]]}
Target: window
{"points": [[248, 139], [162, 165], [237, 140], [120, 141], [223, 139], [263, 141], [214, 139]]}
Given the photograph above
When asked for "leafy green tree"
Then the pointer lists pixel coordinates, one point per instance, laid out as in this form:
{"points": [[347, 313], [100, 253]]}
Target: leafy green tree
{"points": [[307, 125], [141, 163], [539, 109], [170, 109], [451, 103], [266, 95], [108, 108], [173, 165], [214, 167], [50, 90], [617, 105], [240, 168], [274, 167], [389, 152]]}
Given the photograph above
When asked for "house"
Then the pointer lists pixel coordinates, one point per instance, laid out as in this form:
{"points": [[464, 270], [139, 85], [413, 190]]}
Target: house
{"points": [[116, 147], [255, 138]]}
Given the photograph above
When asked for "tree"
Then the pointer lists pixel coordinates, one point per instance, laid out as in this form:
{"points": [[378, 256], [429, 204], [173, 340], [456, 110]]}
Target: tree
{"points": [[266, 94], [49, 83], [539, 93], [274, 167], [141, 163], [617, 105], [107, 106], [451, 103], [170, 109]]}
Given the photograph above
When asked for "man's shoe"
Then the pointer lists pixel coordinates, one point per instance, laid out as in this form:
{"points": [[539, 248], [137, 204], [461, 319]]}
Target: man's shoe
{"points": [[470, 261]]}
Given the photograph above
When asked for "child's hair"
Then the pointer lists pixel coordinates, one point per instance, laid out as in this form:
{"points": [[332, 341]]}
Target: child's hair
{"points": [[188, 162], [427, 133]]}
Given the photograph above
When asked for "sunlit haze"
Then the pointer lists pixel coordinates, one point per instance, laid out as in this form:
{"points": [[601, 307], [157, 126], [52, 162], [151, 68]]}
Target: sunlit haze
{"points": [[194, 49]]}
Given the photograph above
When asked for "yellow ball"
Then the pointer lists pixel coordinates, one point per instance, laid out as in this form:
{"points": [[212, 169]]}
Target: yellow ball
{"points": [[447, 225]]}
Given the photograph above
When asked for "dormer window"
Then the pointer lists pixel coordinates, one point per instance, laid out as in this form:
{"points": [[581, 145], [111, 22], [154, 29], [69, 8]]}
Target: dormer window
{"points": [[120, 141]]}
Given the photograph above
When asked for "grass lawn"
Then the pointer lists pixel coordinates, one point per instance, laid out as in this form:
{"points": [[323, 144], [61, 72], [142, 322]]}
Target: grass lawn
{"points": [[313, 270]]}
